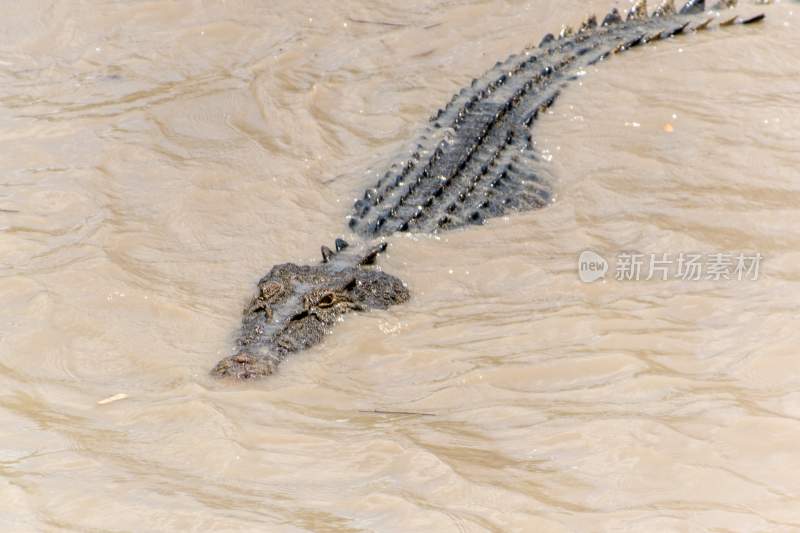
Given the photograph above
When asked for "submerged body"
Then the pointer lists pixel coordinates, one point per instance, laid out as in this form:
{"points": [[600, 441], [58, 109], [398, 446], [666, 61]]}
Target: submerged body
{"points": [[474, 161]]}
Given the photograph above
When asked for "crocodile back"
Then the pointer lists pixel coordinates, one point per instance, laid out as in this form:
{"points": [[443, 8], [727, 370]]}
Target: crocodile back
{"points": [[475, 159]]}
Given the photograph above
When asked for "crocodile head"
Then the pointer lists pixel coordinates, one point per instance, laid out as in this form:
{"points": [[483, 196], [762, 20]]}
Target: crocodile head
{"points": [[296, 306]]}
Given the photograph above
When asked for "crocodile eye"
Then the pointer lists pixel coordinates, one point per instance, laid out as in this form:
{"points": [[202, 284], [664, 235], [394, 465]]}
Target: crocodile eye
{"points": [[326, 301]]}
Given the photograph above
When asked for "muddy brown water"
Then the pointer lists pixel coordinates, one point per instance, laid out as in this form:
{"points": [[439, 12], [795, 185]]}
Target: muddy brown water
{"points": [[159, 157]]}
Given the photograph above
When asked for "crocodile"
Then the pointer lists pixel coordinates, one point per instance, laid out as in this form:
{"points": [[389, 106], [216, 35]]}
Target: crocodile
{"points": [[475, 160]]}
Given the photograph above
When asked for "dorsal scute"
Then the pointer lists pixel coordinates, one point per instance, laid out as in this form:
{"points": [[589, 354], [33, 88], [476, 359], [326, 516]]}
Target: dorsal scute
{"points": [[612, 18], [665, 9], [703, 25], [693, 7], [547, 39], [638, 11], [341, 244], [464, 171], [589, 24], [724, 4]]}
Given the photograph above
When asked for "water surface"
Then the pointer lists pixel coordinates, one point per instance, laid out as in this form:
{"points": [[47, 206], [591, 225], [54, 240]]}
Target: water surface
{"points": [[159, 157]]}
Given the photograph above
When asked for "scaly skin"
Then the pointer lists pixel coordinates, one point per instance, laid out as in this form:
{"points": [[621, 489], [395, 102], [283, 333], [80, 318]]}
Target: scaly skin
{"points": [[295, 306], [474, 161]]}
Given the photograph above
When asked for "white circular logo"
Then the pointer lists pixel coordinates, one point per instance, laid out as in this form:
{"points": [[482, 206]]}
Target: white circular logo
{"points": [[591, 266]]}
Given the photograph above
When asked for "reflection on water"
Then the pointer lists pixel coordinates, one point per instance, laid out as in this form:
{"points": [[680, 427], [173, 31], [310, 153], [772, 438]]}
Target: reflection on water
{"points": [[160, 157]]}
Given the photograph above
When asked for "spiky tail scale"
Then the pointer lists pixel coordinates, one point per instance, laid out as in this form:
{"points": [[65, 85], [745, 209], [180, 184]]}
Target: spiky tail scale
{"points": [[475, 160]]}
